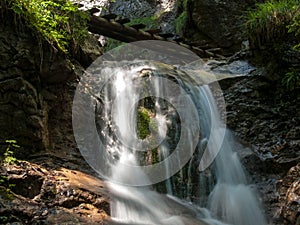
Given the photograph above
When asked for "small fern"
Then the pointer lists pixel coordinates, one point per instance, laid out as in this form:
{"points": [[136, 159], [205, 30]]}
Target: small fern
{"points": [[291, 80], [8, 156]]}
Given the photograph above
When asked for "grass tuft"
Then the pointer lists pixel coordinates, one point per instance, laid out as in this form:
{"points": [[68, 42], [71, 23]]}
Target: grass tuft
{"points": [[272, 20]]}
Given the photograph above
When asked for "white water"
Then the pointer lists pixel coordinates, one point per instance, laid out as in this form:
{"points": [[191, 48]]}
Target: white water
{"points": [[224, 194], [231, 199]]}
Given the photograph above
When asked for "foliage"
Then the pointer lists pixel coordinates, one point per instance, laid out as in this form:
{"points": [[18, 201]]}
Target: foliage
{"points": [[112, 43], [59, 21], [8, 156], [3, 219], [271, 20], [294, 27], [5, 190], [291, 80], [269, 25], [180, 22]]}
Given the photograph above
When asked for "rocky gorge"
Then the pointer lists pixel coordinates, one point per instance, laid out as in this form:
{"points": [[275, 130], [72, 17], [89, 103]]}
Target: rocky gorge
{"points": [[52, 184]]}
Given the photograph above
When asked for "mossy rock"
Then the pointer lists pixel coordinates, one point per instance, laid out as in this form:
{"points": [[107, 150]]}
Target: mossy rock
{"points": [[143, 121]]}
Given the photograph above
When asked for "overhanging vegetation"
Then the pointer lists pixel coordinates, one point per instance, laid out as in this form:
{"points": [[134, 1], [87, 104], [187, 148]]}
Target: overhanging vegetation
{"points": [[58, 21]]}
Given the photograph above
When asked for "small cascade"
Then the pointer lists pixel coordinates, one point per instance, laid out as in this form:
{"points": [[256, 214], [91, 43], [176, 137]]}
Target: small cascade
{"points": [[164, 151], [230, 200], [216, 195]]}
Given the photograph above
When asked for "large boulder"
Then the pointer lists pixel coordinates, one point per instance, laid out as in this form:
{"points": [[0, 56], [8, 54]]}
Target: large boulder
{"points": [[219, 23]]}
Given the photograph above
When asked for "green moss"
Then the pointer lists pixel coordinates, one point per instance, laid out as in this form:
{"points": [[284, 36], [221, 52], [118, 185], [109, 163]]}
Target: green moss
{"points": [[7, 159], [3, 219], [181, 20], [112, 43], [143, 121], [151, 22], [58, 21]]}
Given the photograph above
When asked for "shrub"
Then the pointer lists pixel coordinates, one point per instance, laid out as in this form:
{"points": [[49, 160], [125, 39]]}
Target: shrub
{"points": [[272, 24], [270, 21]]}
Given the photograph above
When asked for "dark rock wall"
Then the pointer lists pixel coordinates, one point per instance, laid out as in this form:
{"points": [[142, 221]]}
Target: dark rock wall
{"points": [[213, 23], [268, 124], [29, 65], [23, 112]]}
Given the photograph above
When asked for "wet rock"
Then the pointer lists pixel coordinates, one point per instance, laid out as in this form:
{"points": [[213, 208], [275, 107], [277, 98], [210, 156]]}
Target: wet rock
{"points": [[238, 67], [48, 196], [28, 66], [269, 128], [26, 185], [290, 196], [256, 116], [90, 50], [280, 59]]}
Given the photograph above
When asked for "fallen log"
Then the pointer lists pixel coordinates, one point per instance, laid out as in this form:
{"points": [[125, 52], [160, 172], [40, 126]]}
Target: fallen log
{"points": [[121, 32]]}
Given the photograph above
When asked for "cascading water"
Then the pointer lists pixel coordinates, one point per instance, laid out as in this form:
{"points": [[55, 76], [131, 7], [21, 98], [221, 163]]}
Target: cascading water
{"points": [[220, 194], [230, 200]]}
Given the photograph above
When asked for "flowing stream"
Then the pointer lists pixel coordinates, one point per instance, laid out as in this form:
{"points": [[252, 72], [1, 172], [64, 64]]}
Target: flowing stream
{"points": [[218, 194]]}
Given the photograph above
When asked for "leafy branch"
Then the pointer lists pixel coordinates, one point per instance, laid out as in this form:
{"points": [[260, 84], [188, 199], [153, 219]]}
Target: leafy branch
{"points": [[59, 21]]}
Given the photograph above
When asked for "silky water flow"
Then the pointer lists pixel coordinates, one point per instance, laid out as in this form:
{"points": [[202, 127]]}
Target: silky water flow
{"points": [[223, 196]]}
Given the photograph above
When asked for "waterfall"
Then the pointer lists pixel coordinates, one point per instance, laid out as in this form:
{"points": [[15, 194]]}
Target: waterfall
{"points": [[215, 195], [231, 199]]}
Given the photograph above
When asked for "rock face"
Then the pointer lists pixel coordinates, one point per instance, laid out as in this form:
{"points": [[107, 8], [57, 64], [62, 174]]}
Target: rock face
{"points": [[214, 23], [45, 195], [132, 9], [28, 67], [163, 11], [35, 109], [258, 117], [23, 114], [21, 119], [270, 127]]}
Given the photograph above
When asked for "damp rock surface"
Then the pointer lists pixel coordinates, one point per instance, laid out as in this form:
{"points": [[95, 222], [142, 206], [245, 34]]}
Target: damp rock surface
{"points": [[40, 194], [269, 128]]}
